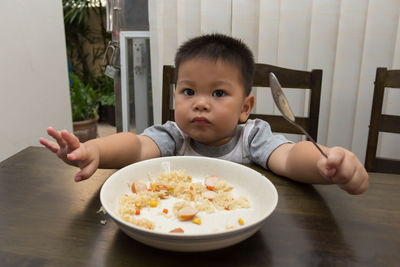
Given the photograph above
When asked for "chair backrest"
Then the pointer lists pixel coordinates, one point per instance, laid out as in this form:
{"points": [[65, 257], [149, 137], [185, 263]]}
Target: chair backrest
{"points": [[382, 123], [288, 78]]}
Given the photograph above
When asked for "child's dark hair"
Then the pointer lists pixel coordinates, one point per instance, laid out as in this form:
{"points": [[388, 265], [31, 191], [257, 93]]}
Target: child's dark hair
{"points": [[219, 47]]}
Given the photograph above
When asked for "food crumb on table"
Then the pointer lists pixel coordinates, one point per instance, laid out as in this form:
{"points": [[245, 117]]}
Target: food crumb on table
{"points": [[101, 210], [103, 221]]}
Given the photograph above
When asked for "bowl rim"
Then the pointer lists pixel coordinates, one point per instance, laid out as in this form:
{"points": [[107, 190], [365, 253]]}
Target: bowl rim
{"points": [[174, 236]]}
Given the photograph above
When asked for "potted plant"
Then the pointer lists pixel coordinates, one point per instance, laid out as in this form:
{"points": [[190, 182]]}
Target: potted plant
{"points": [[84, 105], [105, 87]]}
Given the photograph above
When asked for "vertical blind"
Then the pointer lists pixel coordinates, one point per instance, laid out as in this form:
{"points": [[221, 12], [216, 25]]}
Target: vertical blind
{"points": [[347, 39]]}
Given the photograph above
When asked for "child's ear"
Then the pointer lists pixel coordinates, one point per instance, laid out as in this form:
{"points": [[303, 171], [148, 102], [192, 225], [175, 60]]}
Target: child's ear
{"points": [[247, 106]]}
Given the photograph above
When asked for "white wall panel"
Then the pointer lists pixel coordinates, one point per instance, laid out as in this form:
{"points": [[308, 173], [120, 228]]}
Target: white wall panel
{"points": [[245, 22], [294, 36], [347, 39], [156, 28], [321, 54], [245, 26], [34, 91], [216, 16], [348, 61], [267, 51], [378, 52], [188, 19], [170, 31]]}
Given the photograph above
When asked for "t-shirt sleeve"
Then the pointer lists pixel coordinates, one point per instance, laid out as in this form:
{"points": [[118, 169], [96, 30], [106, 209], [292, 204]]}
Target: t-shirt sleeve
{"points": [[262, 142], [167, 137]]}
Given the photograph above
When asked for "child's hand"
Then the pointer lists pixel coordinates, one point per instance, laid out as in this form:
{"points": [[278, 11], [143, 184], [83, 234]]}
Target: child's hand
{"points": [[343, 168], [68, 148]]}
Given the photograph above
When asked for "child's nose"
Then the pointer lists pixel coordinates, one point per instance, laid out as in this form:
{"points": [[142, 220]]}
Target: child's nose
{"points": [[201, 105]]}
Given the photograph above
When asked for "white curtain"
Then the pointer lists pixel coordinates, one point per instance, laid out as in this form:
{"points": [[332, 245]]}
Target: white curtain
{"points": [[347, 39]]}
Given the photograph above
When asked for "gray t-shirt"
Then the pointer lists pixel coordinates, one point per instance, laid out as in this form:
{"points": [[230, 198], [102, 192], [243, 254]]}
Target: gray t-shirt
{"points": [[252, 142]]}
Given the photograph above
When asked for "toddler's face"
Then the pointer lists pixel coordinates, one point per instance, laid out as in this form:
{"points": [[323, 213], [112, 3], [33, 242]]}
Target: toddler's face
{"points": [[210, 100]]}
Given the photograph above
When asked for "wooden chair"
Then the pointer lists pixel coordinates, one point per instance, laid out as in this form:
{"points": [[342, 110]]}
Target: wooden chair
{"points": [[288, 78], [382, 123]]}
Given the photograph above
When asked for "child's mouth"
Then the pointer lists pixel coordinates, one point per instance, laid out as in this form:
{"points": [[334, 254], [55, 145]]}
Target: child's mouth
{"points": [[200, 120]]}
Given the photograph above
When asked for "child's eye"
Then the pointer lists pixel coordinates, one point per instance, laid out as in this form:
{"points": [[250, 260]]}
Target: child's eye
{"points": [[188, 91], [218, 93]]}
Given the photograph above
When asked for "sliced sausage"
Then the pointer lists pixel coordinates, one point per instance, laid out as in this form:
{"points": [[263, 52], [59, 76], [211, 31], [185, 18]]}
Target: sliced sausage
{"points": [[211, 181], [138, 186], [187, 213], [176, 230]]}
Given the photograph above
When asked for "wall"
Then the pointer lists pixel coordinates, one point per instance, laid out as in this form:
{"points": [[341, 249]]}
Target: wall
{"points": [[34, 90], [347, 39]]}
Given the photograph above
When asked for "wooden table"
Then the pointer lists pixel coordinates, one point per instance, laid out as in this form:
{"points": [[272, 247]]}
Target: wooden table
{"points": [[46, 219]]}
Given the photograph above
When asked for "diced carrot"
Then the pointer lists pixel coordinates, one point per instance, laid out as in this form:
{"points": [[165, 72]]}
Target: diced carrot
{"points": [[165, 211], [137, 211], [160, 187], [191, 188]]}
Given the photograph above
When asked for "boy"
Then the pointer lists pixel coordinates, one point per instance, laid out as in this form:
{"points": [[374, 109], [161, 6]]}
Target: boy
{"points": [[213, 84]]}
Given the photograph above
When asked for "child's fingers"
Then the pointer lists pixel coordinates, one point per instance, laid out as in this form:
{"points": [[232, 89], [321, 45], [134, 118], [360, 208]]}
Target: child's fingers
{"points": [[86, 172], [78, 154], [347, 169], [350, 174], [363, 187], [71, 140], [358, 184], [332, 165], [56, 135], [50, 145], [328, 166], [335, 157]]}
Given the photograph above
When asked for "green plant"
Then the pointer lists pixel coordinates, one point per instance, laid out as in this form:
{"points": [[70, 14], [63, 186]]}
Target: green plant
{"points": [[86, 37], [105, 87], [107, 100], [84, 100]]}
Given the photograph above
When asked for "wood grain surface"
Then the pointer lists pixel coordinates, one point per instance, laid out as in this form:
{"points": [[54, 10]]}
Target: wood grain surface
{"points": [[46, 219]]}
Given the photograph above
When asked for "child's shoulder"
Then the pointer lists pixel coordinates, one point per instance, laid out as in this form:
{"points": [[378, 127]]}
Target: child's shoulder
{"points": [[256, 123]]}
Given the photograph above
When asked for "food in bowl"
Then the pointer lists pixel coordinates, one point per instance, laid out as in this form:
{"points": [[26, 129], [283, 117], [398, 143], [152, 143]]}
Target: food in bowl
{"points": [[177, 192], [215, 229]]}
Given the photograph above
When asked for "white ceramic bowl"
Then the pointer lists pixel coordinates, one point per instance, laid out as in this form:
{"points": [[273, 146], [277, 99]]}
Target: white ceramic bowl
{"points": [[212, 233]]}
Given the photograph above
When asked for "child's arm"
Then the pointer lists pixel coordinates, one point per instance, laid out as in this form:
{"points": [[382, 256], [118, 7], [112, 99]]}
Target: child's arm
{"points": [[114, 151], [304, 163]]}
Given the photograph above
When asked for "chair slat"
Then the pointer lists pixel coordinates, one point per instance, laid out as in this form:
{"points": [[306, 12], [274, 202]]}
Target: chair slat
{"points": [[389, 123], [386, 165], [393, 79], [382, 123]]}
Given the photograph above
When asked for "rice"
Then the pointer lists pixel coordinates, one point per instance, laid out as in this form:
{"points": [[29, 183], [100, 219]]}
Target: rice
{"points": [[143, 222], [177, 184]]}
